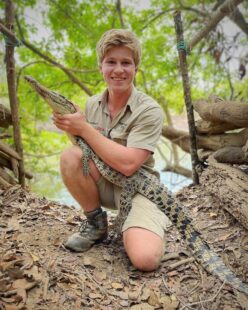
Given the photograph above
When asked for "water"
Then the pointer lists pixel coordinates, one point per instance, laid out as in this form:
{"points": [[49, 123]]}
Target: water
{"points": [[51, 186]]}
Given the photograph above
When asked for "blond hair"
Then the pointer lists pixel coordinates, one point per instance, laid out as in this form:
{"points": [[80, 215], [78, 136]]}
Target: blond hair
{"points": [[118, 37]]}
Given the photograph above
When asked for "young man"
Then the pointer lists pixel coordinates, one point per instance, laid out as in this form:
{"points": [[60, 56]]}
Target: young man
{"points": [[122, 125]]}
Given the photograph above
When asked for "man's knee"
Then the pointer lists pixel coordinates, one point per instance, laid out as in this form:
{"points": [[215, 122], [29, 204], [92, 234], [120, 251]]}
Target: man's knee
{"points": [[71, 159], [144, 248], [71, 163], [145, 261]]}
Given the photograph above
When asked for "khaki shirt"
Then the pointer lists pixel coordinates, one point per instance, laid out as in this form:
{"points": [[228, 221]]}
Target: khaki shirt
{"points": [[138, 124]]}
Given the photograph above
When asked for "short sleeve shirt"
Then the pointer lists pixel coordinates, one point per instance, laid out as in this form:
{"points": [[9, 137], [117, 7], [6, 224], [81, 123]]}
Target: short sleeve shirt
{"points": [[137, 125]]}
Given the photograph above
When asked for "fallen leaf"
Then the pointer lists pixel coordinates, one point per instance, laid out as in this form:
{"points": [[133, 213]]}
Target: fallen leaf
{"points": [[99, 276], [212, 214], [34, 257], [145, 294], [108, 258], [13, 224], [4, 285], [153, 299], [20, 283], [10, 307], [224, 237], [143, 306], [169, 302], [95, 295], [22, 293], [134, 294], [57, 242], [33, 274], [117, 285], [124, 303], [87, 261], [120, 294], [242, 299]]}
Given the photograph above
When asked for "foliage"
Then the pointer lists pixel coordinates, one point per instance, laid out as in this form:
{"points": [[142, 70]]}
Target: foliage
{"points": [[67, 32]]}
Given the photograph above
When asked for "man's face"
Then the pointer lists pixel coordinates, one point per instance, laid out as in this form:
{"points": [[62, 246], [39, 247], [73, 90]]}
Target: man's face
{"points": [[118, 68]]}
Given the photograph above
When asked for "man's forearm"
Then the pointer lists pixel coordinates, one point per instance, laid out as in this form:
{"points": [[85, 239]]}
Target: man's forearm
{"points": [[117, 156]]}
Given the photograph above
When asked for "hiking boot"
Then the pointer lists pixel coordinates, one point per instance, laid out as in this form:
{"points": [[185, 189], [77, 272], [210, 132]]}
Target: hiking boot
{"points": [[93, 230]]}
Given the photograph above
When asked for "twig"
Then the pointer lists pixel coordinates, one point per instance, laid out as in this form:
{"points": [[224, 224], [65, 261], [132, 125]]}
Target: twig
{"points": [[181, 262], [171, 292], [170, 256], [45, 289], [204, 301], [13, 292]]}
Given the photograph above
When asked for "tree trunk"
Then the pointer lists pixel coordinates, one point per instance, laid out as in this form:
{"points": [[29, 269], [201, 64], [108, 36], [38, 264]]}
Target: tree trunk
{"points": [[211, 142], [182, 53], [231, 155], [207, 127], [230, 186], [226, 111], [10, 67]]}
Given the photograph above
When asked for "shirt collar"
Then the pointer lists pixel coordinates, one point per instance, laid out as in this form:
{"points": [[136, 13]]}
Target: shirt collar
{"points": [[130, 103]]}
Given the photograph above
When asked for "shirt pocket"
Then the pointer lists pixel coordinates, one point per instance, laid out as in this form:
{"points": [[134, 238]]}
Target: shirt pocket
{"points": [[119, 137]]}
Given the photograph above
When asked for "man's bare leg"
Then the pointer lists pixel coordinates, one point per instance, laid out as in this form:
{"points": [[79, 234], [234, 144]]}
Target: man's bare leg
{"points": [[84, 190]]}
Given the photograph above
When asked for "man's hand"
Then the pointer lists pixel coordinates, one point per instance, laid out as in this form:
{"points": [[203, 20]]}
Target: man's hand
{"points": [[70, 123]]}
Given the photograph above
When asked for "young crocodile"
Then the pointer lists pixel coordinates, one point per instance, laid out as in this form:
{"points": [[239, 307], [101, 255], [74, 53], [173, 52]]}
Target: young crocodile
{"points": [[149, 186]]}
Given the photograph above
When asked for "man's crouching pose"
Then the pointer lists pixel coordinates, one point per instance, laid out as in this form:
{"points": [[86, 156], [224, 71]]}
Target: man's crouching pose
{"points": [[122, 125]]}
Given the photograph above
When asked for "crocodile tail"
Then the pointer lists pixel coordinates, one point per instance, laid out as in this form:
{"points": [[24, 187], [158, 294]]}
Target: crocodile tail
{"points": [[210, 260], [198, 246]]}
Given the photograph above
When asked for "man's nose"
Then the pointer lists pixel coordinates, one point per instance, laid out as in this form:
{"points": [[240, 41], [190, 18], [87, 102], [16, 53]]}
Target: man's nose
{"points": [[118, 67]]}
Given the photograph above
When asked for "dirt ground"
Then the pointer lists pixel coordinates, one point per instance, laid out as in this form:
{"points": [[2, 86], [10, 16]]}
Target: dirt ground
{"points": [[37, 272]]}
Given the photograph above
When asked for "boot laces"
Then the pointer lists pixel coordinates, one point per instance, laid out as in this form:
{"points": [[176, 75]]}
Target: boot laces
{"points": [[85, 227]]}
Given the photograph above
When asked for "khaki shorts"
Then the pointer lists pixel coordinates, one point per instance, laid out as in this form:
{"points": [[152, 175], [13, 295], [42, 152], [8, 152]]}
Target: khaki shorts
{"points": [[144, 213]]}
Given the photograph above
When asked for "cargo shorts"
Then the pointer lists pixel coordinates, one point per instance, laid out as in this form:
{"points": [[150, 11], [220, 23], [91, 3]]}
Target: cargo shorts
{"points": [[144, 213]]}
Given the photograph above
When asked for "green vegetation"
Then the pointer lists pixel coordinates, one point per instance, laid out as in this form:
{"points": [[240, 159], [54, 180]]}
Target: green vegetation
{"points": [[61, 55]]}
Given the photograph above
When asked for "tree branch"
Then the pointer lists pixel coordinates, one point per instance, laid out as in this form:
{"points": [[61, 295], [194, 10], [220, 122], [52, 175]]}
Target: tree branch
{"points": [[119, 11], [226, 8], [237, 17], [71, 76], [9, 34]]}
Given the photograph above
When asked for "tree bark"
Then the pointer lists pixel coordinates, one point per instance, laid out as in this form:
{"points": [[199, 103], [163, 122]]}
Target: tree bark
{"points": [[8, 150], [187, 96], [8, 178], [231, 155], [226, 111], [179, 137], [211, 142], [230, 186], [5, 117], [4, 184], [11, 163], [226, 8], [236, 16], [10, 67], [9, 34], [207, 127]]}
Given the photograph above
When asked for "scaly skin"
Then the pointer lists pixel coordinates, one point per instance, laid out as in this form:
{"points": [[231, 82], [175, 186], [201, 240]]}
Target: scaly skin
{"points": [[149, 186]]}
